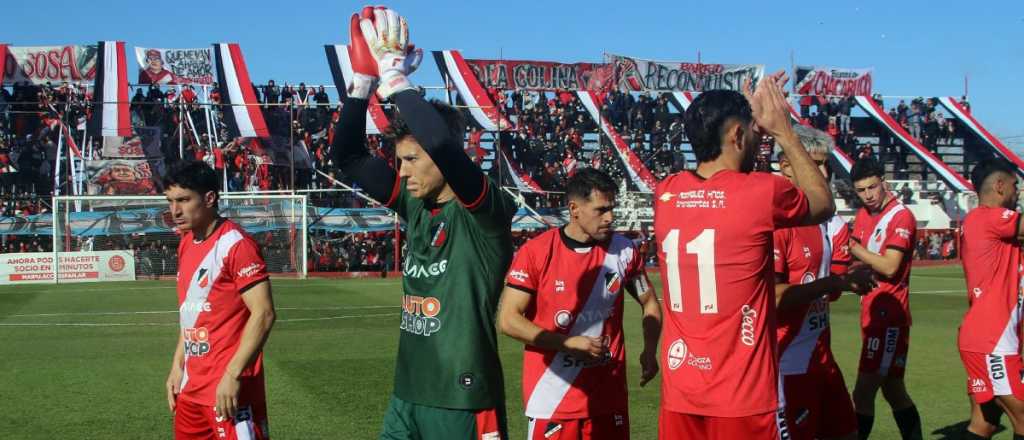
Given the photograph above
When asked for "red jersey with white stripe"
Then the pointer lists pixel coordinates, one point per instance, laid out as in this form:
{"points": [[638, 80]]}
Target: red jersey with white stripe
{"points": [[212, 274], [894, 227], [992, 267], [576, 290], [715, 247], [802, 255]]}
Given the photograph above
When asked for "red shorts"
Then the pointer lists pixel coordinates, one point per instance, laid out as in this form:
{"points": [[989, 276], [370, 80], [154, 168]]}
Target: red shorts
{"points": [[818, 405], [606, 427], [673, 425], [195, 421], [884, 350], [990, 375]]}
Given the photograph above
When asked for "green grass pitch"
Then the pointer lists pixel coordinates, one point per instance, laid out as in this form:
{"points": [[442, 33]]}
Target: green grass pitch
{"points": [[90, 360]]}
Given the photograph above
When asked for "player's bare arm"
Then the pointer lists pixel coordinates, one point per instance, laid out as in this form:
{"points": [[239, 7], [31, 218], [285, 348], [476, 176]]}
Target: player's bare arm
{"points": [[260, 303], [859, 280], [771, 113], [885, 264], [513, 323], [174, 378], [644, 294]]}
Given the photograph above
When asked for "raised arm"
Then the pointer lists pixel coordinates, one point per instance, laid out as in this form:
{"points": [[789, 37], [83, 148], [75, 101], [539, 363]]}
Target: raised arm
{"points": [[371, 173]]}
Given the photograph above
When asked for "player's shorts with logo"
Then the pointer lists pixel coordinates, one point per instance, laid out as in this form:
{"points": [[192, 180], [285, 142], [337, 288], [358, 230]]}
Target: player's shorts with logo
{"points": [[193, 421], [884, 350], [818, 405], [604, 427], [767, 426], [991, 375], [409, 421]]}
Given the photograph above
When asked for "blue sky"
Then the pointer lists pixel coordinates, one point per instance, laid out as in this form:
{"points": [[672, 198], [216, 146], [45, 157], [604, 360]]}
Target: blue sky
{"points": [[916, 47]]}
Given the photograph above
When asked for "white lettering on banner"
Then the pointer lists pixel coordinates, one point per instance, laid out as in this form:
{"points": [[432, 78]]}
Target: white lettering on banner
{"points": [[637, 75], [38, 267], [833, 81]]}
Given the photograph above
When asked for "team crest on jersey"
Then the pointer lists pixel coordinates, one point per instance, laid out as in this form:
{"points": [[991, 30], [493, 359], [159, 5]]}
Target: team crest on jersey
{"points": [[613, 282], [203, 278], [439, 234]]}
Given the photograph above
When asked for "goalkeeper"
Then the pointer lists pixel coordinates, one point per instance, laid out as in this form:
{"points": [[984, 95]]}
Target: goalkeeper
{"points": [[448, 378]]}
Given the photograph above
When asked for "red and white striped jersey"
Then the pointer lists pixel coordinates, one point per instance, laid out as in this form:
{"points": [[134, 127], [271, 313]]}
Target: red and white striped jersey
{"points": [[577, 290], [212, 275], [802, 255], [992, 268], [894, 227], [714, 237]]}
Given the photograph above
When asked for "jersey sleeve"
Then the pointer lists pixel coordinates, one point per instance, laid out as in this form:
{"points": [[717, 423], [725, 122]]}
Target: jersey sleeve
{"points": [[494, 209], [779, 254], [901, 234], [246, 265], [522, 274], [841, 258], [1005, 225], [636, 272], [789, 204]]}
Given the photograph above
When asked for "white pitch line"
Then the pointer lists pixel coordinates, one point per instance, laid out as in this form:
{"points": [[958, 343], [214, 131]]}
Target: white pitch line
{"points": [[127, 288], [153, 324], [160, 312]]}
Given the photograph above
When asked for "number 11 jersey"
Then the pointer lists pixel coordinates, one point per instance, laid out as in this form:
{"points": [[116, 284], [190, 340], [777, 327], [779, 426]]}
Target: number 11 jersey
{"points": [[719, 355]]}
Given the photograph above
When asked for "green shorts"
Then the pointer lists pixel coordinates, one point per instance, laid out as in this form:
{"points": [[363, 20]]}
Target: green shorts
{"points": [[410, 421]]}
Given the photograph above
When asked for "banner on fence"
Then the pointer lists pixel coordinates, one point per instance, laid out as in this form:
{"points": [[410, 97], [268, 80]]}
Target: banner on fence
{"points": [[642, 75], [175, 66], [123, 177], [144, 143], [50, 64], [542, 75], [72, 267], [833, 81]]}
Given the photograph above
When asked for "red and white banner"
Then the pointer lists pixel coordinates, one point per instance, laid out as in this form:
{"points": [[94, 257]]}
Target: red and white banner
{"points": [[961, 113], [638, 173], [950, 176], [832, 81], [480, 105], [72, 267], [341, 70], [54, 64], [111, 116], [175, 66], [541, 75], [515, 177], [641, 75], [242, 115]]}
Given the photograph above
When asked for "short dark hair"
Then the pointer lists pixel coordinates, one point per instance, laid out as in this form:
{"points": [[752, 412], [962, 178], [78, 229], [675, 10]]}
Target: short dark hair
{"points": [[194, 175], [866, 168], [586, 180], [708, 115], [452, 117], [988, 167]]}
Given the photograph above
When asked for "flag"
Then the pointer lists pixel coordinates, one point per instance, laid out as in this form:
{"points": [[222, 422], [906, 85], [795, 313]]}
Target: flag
{"points": [[3, 59], [110, 116], [341, 70], [243, 115]]}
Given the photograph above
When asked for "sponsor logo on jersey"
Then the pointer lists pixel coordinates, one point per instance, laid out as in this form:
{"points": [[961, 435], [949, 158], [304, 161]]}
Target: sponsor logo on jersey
{"points": [[679, 354], [977, 385], [1007, 214], [747, 325], [666, 196], [249, 270], [196, 341], [552, 429], [438, 235], [195, 306], [977, 292], [559, 286], [519, 275], [903, 233], [619, 420], [203, 278], [612, 282], [807, 252], [467, 380], [419, 315], [414, 270]]}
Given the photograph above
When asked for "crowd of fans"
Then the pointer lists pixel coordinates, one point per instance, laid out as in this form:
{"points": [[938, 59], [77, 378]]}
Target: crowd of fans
{"points": [[552, 137]]}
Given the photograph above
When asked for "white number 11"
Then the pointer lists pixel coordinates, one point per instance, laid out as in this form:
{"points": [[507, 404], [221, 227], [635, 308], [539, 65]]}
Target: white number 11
{"points": [[704, 247]]}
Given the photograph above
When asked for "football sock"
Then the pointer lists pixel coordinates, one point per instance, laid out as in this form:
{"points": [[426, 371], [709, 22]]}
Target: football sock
{"points": [[909, 422], [864, 424]]}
